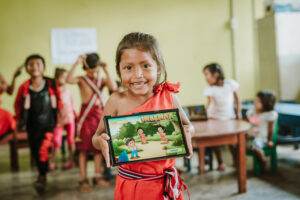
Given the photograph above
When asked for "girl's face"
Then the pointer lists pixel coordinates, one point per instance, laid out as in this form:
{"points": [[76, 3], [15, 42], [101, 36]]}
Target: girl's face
{"points": [[257, 104], [62, 78], [210, 78], [131, 143], [35, 68], [92, 72], [138, 71]]}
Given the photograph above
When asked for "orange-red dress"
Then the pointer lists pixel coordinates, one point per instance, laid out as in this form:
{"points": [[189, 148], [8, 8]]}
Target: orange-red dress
{"points": [[127, 189]]}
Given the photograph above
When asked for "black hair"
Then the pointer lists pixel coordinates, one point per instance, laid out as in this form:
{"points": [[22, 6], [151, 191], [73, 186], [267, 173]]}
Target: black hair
{"points": [[139, 128], [214, 68], [58, 72], [129, 140], [267, 99], [92, 60], [35, 56]]}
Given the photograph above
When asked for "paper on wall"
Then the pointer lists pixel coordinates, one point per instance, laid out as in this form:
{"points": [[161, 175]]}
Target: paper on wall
{"points": [[68, 43]]}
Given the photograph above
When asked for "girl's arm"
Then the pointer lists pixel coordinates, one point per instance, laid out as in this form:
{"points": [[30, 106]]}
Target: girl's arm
{"points": [[100, 138], [70, 77], [11, 87], [187, 125], [112, 86], [270, 133], [237, 105]]}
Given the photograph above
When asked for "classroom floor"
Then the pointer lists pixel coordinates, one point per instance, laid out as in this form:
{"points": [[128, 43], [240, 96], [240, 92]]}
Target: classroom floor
{"points": [[213, 185]]}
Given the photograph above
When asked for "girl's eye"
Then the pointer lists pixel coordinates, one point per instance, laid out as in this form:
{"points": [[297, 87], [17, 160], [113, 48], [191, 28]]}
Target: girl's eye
{"points": [[146, 65], [128, 67]]}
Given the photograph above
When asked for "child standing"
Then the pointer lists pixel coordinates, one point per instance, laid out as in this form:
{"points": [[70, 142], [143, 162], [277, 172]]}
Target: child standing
{"points": [[222, 100], [130, 142], [141, 69], [7, 121], [65, 121], [142, 135], [36, 107], [90, 114], [263, 118], [162, 135]]}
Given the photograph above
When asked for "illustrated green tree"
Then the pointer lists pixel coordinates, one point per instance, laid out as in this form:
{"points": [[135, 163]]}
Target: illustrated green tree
{"points": [[127, 130]]}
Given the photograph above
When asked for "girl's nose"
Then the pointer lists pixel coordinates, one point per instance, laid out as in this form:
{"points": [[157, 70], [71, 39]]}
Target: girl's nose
{"points": [[138, 72]]}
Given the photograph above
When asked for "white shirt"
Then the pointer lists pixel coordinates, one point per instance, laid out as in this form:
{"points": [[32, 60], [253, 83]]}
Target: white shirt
{"points": [[222, 100], [260, 122]]}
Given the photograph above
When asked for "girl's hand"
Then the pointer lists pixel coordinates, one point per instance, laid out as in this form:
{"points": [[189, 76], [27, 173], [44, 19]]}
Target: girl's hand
{"points": [[18, 71], [80, 60], [102, 141], [188, 137]]}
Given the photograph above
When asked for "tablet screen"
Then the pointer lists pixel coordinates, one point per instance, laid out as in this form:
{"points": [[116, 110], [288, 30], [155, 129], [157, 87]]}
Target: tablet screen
{"points": [[146, 136]]}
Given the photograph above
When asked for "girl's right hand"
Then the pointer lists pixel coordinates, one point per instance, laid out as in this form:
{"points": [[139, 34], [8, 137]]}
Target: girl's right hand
{"points": [[102, 140]]}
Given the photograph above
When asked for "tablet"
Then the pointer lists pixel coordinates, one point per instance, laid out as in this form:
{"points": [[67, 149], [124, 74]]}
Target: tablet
{"points": [[145, 136]]}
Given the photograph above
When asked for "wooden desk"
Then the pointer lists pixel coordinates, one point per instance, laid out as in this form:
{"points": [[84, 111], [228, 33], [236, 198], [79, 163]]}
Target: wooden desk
{"points": [[216, 133]]}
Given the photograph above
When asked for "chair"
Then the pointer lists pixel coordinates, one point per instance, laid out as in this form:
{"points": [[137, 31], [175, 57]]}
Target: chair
{"points": [[268, 151], [198, 113]]}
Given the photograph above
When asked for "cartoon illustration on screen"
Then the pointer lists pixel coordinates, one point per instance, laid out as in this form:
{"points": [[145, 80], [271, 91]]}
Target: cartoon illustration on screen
{"points": [[146, 136]]}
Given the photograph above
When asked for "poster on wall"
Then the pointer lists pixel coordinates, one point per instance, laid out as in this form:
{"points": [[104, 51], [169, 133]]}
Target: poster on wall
{"points": [[68, 43]]}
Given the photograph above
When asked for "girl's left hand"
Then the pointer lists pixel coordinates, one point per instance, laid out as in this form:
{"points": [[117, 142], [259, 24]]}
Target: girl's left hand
{"points": [[188, 137]]}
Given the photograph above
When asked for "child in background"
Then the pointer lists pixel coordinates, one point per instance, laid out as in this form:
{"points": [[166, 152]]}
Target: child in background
{"points": [[91, 112], [7, 121], [141, 69], [36, 107], [65, 121], [263, 118], [222, 100]]}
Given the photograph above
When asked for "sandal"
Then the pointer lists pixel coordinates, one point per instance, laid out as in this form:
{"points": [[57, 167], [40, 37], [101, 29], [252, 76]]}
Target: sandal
{"points": [[101, 182], [84, 186]]}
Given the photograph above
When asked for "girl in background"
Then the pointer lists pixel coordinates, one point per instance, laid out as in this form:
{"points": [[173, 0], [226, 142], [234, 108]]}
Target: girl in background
{"points": [[65, 120], [263, 118], [222, 100]]}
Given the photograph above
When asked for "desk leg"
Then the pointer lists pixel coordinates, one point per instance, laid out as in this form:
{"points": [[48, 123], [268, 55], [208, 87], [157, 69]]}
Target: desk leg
{"points": [[242, 173], [201, 156]]}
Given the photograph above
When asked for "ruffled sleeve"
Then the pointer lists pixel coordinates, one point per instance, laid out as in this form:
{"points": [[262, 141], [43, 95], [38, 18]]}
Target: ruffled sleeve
{"points": [[167, 86]]}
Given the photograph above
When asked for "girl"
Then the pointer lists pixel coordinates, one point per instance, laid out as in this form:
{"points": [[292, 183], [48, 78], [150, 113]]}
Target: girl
{"points": [[162, 135], [142, 136], [140, 67], [65, 121], [90, 86], [222, 100], [263, 118]]}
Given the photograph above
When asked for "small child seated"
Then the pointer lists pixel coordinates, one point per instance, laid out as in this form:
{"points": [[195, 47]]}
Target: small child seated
{"points": [[263, 118]]}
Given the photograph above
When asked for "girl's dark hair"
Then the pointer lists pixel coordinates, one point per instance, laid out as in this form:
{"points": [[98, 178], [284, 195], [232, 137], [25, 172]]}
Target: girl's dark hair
{"points": [[144, 42], [92, 60], [34, 56], [267, 99], [215, 68], [58, 72]]}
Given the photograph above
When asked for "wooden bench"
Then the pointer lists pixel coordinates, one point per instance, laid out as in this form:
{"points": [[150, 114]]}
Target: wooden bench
{"points": [[16, 141]]}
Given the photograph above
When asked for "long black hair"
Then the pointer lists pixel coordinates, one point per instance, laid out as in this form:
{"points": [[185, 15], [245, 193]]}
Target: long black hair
{"points": [[215, 68]]}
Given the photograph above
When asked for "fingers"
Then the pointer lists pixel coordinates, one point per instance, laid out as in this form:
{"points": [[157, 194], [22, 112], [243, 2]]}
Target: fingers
{"points": [[105, 136]]}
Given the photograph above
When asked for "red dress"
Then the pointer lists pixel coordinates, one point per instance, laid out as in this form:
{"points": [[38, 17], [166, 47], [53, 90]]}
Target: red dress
{"points": [[7, 122], [145, 189]]}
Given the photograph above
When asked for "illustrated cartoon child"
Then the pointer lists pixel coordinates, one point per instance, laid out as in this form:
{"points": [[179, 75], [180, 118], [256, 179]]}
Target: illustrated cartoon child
{"points": [[123, 156], [130, 142], [162, 134], [142, 135]]}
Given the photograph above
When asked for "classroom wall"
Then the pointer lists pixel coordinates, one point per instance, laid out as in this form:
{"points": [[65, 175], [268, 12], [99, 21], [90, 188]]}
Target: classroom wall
{"points": [[191, 34]]}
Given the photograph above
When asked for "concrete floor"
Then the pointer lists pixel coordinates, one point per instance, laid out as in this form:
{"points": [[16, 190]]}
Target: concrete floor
{"points": [[285, 185]]}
